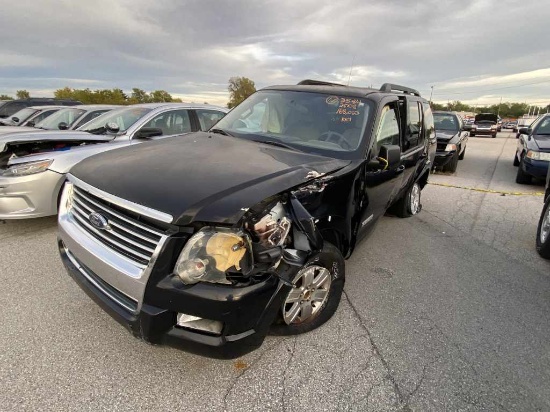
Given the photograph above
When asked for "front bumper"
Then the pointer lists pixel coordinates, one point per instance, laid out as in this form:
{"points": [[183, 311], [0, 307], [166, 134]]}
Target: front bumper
{"points": [[442, 157], [30, 196], [487, 132], [535, 168]]}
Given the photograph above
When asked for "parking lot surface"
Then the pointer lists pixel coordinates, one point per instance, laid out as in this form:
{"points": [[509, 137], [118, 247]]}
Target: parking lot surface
{"points": [[448, 310]]}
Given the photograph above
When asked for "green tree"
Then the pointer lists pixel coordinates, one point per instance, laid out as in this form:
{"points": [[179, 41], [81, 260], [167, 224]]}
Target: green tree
{"points": [[160, 96], [239, 89], [5, 97], [139, 96], [22, 94]]}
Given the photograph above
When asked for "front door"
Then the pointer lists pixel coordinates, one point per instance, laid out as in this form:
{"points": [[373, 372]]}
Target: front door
{"points": [[381, 183]]}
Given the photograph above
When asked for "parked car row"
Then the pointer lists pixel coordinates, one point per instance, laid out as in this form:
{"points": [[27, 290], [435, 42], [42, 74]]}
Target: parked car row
{"points": [[34, 162], [207, 238], [8, 108]]}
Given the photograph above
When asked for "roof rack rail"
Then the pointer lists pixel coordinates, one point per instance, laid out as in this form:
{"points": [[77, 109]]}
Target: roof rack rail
{"points": [[309, 82], [388, 87]]}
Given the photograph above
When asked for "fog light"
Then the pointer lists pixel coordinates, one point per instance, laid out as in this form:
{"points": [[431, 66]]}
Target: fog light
{"points": [[194, 322]]}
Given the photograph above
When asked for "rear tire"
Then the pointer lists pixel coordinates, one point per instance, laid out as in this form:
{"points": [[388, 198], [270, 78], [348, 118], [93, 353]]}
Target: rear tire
{"points": [[472, 134], [328, 262], [409, 204], [543, 231], [522, 178], [495, 135]]}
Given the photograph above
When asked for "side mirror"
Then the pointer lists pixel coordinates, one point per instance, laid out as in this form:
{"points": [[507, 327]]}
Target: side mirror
{"points": [[524, 130], [392, 154], [62, 126], [112, 127], [148, 132], [15, 119]]}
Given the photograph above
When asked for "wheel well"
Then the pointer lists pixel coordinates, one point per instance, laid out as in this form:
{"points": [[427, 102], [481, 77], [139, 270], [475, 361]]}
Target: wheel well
{"points": [[337, 239]]}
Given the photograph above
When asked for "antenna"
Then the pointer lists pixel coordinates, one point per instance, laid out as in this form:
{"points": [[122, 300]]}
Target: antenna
{"points": [[351, 68]]}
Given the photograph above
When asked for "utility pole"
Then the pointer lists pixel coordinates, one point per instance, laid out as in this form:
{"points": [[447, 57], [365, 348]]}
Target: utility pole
{"points": [[431, 94], [498, 110]]}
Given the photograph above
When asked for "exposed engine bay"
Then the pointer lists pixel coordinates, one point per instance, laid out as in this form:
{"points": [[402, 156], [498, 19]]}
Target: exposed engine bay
{"points": [[21, 149]]}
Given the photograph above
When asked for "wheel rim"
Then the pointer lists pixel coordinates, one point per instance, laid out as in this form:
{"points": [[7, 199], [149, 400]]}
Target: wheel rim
{"points": [[415, 199], [308, 295], [545, 227]]}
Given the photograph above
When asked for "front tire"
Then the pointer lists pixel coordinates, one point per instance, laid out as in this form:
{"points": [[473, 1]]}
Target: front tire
{"points": [[494, 135], [452, 165], [516, 161], [472, 134], [315, 296], [522, 178], [543, 231], [461, 157]]}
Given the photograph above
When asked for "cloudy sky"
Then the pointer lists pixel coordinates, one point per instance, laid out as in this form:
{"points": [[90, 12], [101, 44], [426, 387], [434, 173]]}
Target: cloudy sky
{"points": [[475, 51]]}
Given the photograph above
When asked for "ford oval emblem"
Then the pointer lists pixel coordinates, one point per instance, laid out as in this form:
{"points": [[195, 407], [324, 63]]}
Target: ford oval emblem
{"points": [[99, 221]]}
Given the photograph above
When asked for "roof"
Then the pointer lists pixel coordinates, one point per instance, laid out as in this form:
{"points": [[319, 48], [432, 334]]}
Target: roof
{"points": [[53, 106], [315, 86], [175, 105]]}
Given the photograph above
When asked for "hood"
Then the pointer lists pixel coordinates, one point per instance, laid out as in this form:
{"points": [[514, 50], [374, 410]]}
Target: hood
{"points": [[16, 129], [49, 136], [444, 135], [200, 176], [483, 117], [542, 141]]}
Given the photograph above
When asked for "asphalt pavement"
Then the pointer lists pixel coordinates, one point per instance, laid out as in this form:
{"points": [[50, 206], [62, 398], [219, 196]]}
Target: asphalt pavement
{"points": [[448, 310]]}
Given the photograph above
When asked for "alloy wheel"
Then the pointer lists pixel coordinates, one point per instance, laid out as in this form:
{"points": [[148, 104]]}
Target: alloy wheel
{"points": [[308, 295]]}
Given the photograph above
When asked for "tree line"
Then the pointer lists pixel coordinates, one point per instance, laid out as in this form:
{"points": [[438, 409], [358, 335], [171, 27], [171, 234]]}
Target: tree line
{"points": [[104, 96], [507, 110]]}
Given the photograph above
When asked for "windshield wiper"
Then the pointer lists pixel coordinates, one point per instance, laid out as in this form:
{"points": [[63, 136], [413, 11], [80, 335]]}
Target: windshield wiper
{"points": [[221, 131], [274, 143]]}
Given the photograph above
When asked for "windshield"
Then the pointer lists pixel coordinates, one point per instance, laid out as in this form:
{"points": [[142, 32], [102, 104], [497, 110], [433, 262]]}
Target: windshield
{"points": [[23, 114], [124, 118], [68, 116], [444, 121], [309, 122]]}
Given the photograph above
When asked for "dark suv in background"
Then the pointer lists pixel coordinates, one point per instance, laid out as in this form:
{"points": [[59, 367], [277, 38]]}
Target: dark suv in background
{"points": [[485, 124], [12, 106], [210, 240]]}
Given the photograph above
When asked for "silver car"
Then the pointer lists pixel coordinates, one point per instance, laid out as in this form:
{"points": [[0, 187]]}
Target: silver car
{"points": [[33, 165], [66, 118], [28, 116]]}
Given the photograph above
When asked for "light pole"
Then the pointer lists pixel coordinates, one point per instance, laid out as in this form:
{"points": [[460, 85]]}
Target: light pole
{"points": [[498, 110], [431, 94]]}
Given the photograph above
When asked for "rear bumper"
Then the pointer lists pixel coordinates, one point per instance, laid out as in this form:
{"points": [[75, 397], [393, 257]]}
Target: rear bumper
{"points": [[246, 313], [535, 168]]}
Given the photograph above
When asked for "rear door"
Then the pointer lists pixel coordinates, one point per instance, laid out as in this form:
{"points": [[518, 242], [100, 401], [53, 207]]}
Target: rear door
{"points": [[413, 148]]}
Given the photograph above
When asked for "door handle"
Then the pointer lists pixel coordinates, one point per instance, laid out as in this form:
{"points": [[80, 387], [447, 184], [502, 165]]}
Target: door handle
{"points": [[400, 169]]}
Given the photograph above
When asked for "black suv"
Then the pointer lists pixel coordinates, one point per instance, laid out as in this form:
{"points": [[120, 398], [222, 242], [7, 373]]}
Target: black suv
{"points": [[210, 241], [12, 106]]}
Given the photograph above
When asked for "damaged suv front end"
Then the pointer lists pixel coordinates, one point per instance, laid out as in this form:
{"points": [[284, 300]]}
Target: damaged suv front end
{"points": [[213, 290]]}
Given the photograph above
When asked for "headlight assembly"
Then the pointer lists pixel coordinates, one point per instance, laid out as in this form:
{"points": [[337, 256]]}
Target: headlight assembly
{"points": [[29, 168], [210, 253], [532, 154], [450, 147]]}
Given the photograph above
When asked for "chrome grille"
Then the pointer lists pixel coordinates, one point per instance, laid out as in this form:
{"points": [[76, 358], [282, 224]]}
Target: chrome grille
{"points": [[129, 237]]}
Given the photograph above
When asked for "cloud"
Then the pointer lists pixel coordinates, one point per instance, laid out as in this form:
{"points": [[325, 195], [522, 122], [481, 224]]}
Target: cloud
{"points": [[192, 48]]}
